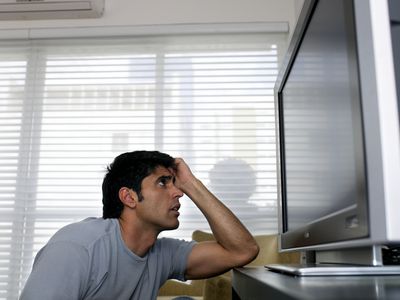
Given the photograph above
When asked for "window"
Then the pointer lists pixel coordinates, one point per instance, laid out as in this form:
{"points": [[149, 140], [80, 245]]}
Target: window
{"points": [[68, 107]]}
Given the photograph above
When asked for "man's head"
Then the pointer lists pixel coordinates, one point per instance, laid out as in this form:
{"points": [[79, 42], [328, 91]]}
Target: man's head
{"points": [[128, 170]]}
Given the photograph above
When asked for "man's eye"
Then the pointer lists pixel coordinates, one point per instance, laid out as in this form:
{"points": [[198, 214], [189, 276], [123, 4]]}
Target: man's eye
{"points": [[162, 182]]}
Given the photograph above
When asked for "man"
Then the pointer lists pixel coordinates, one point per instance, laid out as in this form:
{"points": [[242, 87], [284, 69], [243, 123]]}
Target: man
{"points": [[119, 256]]}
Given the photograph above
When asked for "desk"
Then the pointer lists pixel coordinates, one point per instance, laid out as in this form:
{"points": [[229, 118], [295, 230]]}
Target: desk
{"points": [[252, 283]]}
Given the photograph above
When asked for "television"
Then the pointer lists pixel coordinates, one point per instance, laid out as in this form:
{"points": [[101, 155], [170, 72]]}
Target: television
{"points": [[339, 142]]}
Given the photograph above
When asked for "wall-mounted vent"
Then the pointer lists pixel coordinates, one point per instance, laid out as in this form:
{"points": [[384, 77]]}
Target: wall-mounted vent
{"points": [[50, 9]]}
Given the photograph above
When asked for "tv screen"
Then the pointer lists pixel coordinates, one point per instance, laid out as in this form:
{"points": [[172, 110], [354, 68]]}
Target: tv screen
{"points": [[338, 134], [321, 127], [322, 142]]}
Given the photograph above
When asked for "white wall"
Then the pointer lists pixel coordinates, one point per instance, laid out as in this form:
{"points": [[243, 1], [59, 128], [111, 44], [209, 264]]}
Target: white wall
{"points": [[171, 12], [298, 4]]}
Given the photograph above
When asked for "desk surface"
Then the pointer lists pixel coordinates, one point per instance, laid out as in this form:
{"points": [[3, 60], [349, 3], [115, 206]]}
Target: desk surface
{"points": [[259, 283]]}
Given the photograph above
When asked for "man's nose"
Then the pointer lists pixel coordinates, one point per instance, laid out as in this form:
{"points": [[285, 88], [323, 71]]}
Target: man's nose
{"points": [[177, 192]]}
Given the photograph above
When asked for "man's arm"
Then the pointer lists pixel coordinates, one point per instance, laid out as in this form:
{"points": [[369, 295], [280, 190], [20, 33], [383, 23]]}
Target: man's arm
{"points": [[234, 245]]}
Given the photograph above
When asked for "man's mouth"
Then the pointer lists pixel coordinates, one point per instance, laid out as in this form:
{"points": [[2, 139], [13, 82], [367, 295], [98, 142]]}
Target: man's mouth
{"points": [[175, 208]]}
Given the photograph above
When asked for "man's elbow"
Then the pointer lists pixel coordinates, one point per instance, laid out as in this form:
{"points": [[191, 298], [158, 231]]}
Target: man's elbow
{"points": [[249, 254], [253, 252]]}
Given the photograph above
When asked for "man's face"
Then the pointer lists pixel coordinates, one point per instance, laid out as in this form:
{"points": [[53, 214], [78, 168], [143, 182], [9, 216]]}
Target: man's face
{"points": [[160, 204]]}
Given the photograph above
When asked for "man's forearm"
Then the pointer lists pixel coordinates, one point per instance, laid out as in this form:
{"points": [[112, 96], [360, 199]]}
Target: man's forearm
{"points": [[226, 227]]}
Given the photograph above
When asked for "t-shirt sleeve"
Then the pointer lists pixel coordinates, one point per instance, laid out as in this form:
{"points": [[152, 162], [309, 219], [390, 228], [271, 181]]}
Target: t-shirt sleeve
{"points": [[175, 255], [60, 271]]}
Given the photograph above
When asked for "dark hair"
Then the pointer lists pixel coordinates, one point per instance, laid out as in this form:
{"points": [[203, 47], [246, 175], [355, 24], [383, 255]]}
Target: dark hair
{"points": [[128, 170]]}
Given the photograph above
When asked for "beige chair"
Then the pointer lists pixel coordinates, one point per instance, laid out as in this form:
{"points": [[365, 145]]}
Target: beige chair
{"points": [[219, 287]]}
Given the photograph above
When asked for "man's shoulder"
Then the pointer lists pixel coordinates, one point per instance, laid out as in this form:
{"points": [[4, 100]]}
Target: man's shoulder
{"points": [[84, 232], [164, 243], [171, 256]]}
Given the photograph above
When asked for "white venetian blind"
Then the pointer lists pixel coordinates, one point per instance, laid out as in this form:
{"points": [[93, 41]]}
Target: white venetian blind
{"points": [[68, 107]]}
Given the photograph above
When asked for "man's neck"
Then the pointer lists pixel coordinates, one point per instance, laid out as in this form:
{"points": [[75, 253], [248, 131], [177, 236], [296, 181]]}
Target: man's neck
{"points": [[136, 238]]}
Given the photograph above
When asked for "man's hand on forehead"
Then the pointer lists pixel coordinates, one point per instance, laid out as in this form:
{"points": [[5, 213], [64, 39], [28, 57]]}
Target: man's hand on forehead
{"points": [[183, 174]]}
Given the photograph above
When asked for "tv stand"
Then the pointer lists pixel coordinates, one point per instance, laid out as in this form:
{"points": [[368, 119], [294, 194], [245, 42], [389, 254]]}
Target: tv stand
{"points": [[253, 283], [333, 270], [369, 260]]}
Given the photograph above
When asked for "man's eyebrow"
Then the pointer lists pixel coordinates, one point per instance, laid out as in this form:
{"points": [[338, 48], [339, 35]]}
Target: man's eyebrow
{"points": [[165, 178]]}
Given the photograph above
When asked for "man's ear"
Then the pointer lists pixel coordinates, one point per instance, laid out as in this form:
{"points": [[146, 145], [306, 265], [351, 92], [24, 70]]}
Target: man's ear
{"points": [[128, 197]]}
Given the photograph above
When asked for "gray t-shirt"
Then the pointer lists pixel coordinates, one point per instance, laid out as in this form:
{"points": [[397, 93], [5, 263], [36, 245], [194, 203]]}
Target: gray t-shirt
{"points": [[89, 260]]}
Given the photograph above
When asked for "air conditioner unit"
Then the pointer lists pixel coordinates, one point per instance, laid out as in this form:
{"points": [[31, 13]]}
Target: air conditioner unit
{"points": [[50, 9]]}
